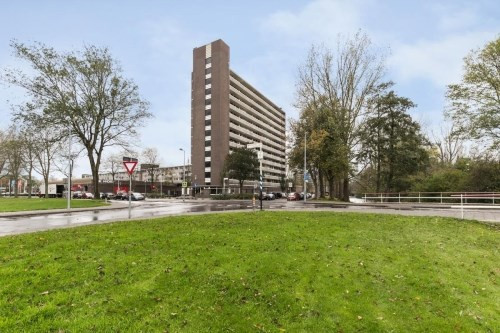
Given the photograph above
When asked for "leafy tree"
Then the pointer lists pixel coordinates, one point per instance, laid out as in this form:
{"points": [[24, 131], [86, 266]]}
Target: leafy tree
{"points": [[341, 82], [393, 143], [283, 183], [475, 102], [83, 92], [242, 164]]}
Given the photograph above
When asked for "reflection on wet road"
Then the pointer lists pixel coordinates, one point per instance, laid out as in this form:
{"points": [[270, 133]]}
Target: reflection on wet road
{"points": [[21, 224], [150, 208]]}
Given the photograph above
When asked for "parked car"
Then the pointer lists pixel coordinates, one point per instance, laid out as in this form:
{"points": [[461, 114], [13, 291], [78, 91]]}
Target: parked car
{"points": [[278, 195], [293, 196], [270, 196], [120, 195], [87, 195], [77, 194], [107, 195], [137, 196]]}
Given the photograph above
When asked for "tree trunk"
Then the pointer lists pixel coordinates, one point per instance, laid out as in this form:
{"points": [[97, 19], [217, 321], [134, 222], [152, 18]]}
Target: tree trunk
{"points": [[321, 184], [345, 189], [30, 186], [16, 191], [241, 185], [331, 186], [94, 167], [46, 180]]}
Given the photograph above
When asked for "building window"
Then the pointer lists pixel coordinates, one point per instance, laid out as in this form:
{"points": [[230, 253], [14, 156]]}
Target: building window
{"points": [[208, 70], [207, 122], [208, 113], [208, 81], [208, 143], [208, 91], [208, 60], [207, 164], [207, 154], [208, 133], [207, 174], [208, 102]]}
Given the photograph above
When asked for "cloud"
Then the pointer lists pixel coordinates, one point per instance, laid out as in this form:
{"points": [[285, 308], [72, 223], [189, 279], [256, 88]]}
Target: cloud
{"points": [[320, 20], [438, 61]]}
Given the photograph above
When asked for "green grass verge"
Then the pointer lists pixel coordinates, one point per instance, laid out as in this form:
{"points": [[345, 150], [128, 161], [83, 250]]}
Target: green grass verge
{"points": [[35, 203], [245, 272]]}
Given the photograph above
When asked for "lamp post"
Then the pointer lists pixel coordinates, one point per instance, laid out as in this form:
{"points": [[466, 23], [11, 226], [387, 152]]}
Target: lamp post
{"points": [[183, 168], [161, 185]]}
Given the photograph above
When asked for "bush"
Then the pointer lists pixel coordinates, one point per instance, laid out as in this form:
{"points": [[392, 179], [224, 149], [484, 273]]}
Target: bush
{"points": [[242, 196]]}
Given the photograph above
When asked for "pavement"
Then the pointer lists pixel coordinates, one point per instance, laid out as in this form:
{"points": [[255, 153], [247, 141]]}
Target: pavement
{"points": [[25, 222]]}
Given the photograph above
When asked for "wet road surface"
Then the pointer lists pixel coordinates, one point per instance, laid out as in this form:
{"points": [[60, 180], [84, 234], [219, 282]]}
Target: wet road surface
{"points": [[150, 208]]}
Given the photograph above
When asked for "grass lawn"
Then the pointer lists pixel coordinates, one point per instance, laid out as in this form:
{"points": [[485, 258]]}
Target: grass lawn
{"points": [[35, 203], [255, 272]]}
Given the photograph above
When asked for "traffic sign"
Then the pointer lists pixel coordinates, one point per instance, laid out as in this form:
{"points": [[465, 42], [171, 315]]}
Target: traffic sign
{"points": [[184, 184], [260, 155], [130, 166]]}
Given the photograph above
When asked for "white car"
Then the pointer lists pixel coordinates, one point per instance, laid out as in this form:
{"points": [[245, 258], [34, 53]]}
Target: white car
{"points": [[137, 196]]}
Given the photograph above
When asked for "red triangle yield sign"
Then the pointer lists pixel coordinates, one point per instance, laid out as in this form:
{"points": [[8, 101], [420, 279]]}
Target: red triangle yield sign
{"points": [[130, 166]]}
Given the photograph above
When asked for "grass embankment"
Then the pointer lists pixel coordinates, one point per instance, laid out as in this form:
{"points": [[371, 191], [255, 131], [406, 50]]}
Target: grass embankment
{"points": [[35, 203], [243, 272]]}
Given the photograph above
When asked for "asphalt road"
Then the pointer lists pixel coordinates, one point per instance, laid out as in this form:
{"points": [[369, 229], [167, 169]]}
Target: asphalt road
{"points": [[10, 225]]}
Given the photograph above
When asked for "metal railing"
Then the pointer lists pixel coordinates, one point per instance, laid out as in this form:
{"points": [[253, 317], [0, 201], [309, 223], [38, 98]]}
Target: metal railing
{"points": [[454, 199]]}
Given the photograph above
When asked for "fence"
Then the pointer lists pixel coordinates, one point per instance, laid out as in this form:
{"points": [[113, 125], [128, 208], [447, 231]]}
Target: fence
{"points": [[460, 200]]}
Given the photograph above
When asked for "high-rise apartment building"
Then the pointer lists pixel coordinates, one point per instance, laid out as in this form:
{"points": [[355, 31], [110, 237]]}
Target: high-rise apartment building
{"points": [[227, 112]]}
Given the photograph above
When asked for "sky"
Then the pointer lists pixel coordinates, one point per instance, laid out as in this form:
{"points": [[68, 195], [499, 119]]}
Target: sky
{"points": [[424, 43]]}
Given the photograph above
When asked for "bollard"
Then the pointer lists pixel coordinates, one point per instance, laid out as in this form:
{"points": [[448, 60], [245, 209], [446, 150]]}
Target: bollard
{"points": [[462, 205]]}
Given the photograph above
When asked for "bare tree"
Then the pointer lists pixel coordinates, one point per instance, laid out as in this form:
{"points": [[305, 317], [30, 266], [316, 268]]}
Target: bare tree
{"points": [[3, 155], [113, 164], [29, 152], [47, 147], [150, 156], [341, 80], [449, 144], [13, 150], [83, 92]]}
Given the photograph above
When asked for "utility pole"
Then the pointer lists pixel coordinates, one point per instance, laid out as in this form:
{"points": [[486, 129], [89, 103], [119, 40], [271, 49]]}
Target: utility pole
{"points": [[183, 169], [68, 192], [305, 163]]}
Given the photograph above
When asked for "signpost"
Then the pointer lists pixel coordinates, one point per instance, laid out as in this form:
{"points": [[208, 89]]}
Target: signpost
{"points": [[129, 164], [260, 190]]}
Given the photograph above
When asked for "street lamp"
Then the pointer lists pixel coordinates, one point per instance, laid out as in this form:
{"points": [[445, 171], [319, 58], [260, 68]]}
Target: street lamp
{"points": [[183, 168]]}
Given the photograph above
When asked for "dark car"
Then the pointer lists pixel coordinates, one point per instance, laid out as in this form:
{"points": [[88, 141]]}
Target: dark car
{"points": [[107, 195], [120, 195], [293, 197]]}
